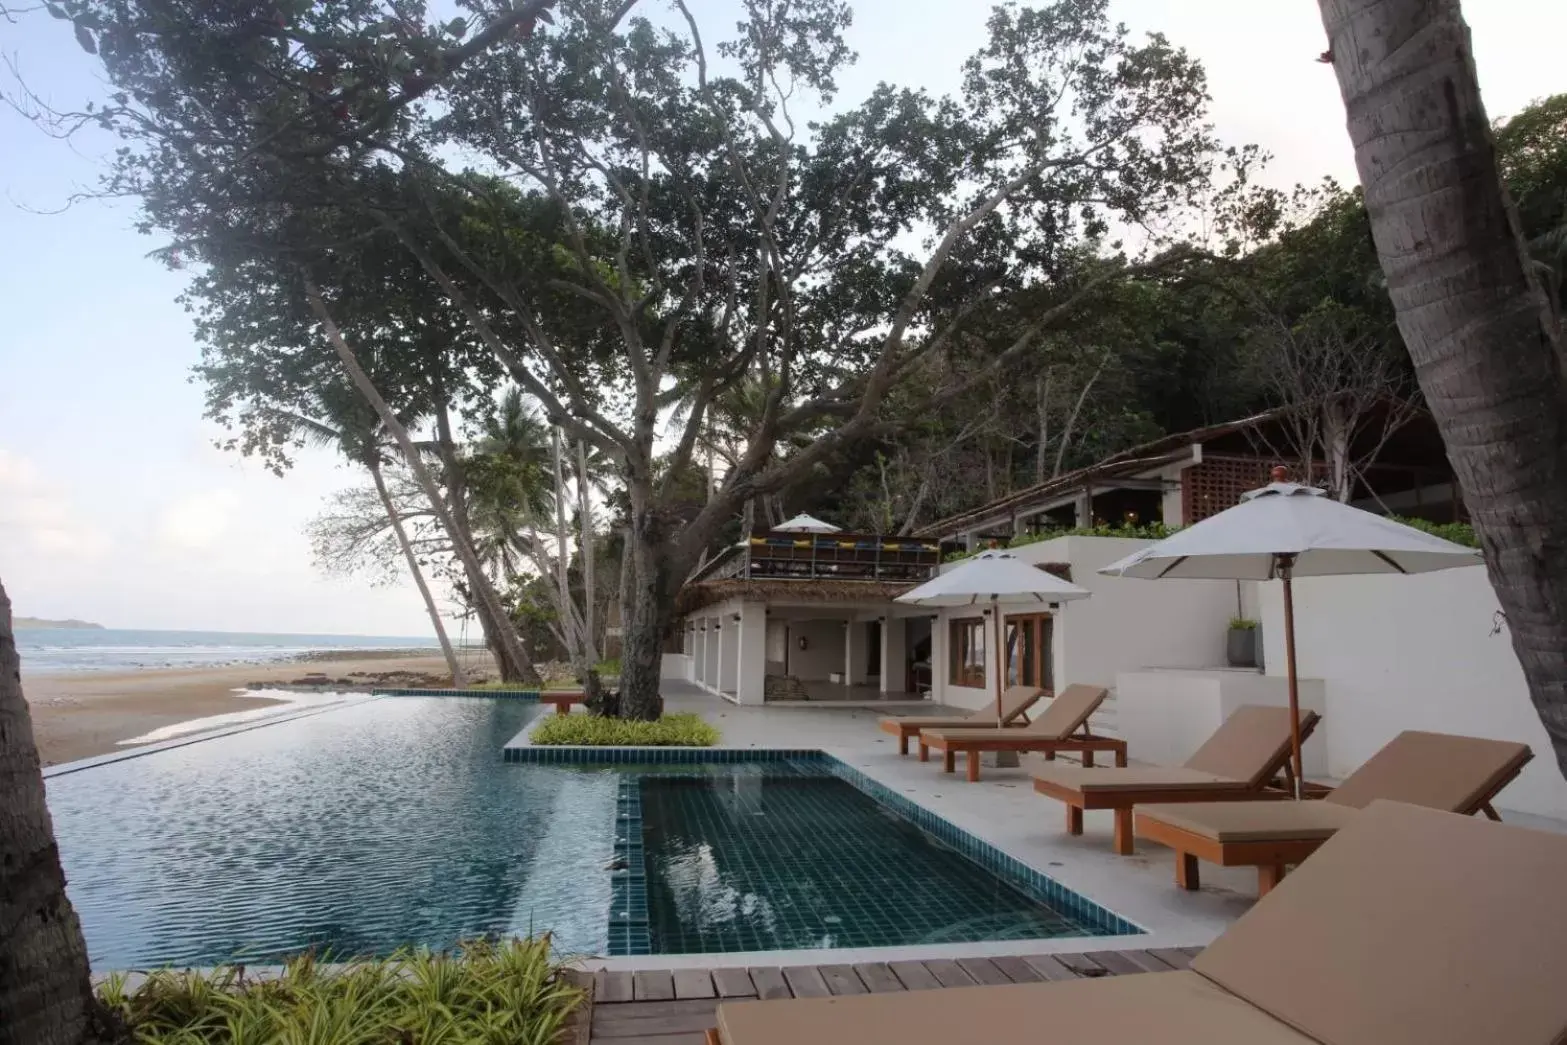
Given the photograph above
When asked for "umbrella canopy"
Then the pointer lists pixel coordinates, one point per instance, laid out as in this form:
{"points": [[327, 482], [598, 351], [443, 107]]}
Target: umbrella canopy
{"points": [[994, 579], [803, 523], [1322, 537], [1283, 531], [998, 576]]}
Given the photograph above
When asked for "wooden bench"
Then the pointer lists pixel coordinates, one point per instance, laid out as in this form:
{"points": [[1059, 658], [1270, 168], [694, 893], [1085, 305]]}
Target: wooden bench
{"points": [[563, 699]]}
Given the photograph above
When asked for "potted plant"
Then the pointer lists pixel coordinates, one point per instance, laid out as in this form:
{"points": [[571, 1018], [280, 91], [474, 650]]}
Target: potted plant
{"points": [[1241, 646]]}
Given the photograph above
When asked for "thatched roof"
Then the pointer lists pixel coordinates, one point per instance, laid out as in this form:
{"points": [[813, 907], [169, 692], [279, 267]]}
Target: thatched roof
{"points": [[694, 597]]}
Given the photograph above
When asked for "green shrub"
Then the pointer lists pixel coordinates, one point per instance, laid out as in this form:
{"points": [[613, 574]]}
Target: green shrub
{"points": [[1458, 533], [1242, 624], [505, 687], [677, 730], [609, 668], [479, 992]]}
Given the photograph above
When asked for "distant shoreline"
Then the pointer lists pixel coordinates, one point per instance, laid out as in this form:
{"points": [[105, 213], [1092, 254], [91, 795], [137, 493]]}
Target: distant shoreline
{"points": [[40, 624]]}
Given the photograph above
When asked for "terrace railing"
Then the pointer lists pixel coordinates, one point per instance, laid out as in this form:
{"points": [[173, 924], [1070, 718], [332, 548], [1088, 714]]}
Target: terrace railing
{"points": [[779, 555]]}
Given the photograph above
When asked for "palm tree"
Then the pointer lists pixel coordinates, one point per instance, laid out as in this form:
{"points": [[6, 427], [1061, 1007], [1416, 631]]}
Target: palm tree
{"points": [[46, 993], [1485, 341], [353, 428]]}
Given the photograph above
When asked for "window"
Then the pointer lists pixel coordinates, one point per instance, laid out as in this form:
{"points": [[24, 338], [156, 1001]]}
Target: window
{"points": [[966, 652], [1028, 651]]}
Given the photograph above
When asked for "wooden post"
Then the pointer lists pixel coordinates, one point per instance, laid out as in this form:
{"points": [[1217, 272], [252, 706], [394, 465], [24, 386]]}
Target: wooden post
{"points": [[1286, 566]]}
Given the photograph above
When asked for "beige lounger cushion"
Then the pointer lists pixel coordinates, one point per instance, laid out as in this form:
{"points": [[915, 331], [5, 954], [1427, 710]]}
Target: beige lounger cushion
{"points": [[1168, 1008], [1410, 927], [1249, 743], [1069, 710], [1434, 770], [1253, 821], [1015, 701], [1133, 778]]}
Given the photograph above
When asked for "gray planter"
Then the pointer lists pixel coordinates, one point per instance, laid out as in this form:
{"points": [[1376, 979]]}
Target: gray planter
{"points": [[1241, 647]]}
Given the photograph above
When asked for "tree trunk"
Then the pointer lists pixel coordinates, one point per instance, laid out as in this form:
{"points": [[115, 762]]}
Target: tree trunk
{"points": [[649, 587], [585, 544], [504, 634], [458, 680], [45, 991], [1482, 336]]}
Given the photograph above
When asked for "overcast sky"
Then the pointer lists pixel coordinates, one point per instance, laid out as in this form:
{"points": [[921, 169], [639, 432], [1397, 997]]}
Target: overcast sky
{"points": [[115, 507]]}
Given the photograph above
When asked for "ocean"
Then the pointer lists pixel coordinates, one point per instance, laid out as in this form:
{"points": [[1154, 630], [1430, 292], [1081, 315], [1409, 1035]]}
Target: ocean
{"points": [[119, 649]]}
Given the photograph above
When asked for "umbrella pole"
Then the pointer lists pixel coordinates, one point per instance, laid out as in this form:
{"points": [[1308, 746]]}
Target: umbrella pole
{"points": [[1001, 658], [1286, 567]]}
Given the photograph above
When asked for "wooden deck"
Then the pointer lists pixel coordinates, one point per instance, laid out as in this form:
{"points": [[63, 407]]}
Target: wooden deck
{"points": [[674, 1007]]}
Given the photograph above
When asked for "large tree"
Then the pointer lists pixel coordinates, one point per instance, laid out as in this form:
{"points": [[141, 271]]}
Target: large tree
{"points": [[45, 992], [1484, 337], [670, 226]]}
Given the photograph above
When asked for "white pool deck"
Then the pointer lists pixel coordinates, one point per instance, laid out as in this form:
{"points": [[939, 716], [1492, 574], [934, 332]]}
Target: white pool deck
{"points": [[1001, 809]]}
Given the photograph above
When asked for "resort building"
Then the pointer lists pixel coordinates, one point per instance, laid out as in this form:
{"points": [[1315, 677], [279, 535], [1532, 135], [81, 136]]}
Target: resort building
{"points": [[805, 613]]}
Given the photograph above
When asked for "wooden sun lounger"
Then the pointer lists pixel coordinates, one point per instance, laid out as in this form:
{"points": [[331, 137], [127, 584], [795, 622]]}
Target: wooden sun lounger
{"points": [[1409, 927], [1015, 703], [1235, 764], [1062, 727], [1455, 774]]}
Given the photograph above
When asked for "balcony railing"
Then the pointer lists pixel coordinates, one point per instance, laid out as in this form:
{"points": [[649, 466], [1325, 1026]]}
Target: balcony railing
{"points": [[832, 556]]}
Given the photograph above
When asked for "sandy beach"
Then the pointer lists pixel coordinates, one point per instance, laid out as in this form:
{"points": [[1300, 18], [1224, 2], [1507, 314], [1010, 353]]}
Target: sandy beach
{"points": [[80, 714]]}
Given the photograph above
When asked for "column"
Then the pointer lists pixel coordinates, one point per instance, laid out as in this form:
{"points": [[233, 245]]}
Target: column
{"points": [[858, 675], [849, 652], [751, 680], [894, 654]]}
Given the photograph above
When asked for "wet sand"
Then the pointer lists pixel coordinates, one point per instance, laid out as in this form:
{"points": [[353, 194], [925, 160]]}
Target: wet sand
{"points": [[81, 714]]}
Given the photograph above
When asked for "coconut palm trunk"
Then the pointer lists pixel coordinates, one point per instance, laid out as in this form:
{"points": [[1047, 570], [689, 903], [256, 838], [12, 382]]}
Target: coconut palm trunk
{"points": [[45, 991], [1484, 340], [459, 681], [498, 622]]}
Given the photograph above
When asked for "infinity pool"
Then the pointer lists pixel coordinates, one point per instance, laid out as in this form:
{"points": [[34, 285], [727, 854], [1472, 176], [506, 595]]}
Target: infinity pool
{"points": [[395, 821]]}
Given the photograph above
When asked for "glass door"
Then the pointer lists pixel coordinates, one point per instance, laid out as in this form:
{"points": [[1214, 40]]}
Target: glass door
{"points": [[1028, 651]]}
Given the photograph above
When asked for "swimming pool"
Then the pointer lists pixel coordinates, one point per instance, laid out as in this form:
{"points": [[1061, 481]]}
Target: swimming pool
{"points": [[395, 821]]}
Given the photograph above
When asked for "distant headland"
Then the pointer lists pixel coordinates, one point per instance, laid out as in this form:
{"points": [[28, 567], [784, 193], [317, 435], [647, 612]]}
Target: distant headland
{"points": [[38, 622]]}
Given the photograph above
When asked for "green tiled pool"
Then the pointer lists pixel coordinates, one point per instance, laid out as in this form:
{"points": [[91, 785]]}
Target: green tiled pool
{"points": [[787, 862], [400, 820]]}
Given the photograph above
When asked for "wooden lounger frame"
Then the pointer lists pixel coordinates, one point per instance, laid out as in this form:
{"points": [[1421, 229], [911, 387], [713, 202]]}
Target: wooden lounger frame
{"points": [[563, 699], [1270, 857], [907, 728], [1084, 742]]}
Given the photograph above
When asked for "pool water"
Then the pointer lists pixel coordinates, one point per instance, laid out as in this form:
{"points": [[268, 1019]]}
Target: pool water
{"points": [[395, 821], [355, 831], [806, 861]]}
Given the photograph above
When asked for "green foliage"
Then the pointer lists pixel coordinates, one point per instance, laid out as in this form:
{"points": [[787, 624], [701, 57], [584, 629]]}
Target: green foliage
{"points": [[681, 729], [1242, 624], [1458, 533], [508, 992], [608, 668]]}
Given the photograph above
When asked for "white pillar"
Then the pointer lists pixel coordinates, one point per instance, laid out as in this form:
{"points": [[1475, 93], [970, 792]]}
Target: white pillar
{"points": [[751, 680], [729, 651], [718, 656], [894, 654], [848, 652]]}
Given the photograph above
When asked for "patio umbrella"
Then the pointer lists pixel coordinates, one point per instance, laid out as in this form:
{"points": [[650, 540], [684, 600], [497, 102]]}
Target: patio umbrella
{"points": [[1284, 531], [805, 524], [994, 579]]}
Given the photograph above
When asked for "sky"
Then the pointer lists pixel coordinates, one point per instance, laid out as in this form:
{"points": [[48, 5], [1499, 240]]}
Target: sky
{"points": [[116, 507]]}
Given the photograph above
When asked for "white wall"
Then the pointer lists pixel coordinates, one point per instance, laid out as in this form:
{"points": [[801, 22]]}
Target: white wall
{"points": [[1129, 624], [674, 666], [1416, 652], [823, 654], [1124, 625]]}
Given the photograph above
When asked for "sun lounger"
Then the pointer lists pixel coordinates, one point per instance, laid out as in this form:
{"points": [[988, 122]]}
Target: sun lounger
{"points": [[1062, 727], [1409, 927], [1236, 763], [1454, 774], [1015, 703]]}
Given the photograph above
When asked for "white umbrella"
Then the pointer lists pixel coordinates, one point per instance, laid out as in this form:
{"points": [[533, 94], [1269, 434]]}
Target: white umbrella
{"points": [[994, 578], [803, 523], [1284, 531]]}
